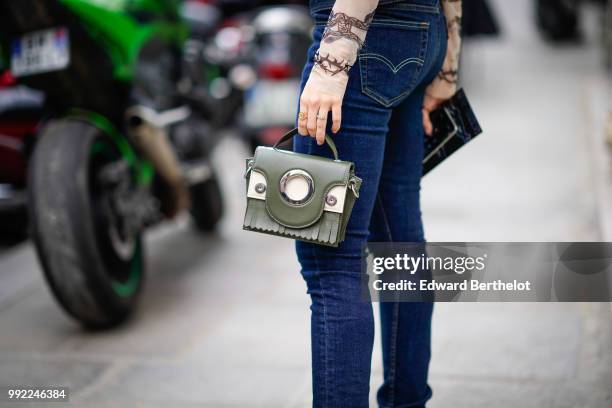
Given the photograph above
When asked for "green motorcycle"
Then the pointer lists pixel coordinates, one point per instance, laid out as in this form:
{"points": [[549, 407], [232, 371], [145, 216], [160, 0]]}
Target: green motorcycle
{"points": [[119, 149]]}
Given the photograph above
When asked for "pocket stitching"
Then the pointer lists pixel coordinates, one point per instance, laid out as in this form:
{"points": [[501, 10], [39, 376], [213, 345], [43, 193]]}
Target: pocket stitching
{"points": [[381, 99], [390, 64]]}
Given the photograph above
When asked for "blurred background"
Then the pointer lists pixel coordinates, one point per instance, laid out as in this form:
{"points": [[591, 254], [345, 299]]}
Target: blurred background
{"points": [[100, 292]]}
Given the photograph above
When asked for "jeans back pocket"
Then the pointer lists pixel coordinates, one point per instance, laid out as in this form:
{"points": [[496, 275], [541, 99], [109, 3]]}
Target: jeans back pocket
{"points": [[392, 59]]}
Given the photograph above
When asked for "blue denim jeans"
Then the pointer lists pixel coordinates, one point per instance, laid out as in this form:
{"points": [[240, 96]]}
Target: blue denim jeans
{"points": [[382, 133]]}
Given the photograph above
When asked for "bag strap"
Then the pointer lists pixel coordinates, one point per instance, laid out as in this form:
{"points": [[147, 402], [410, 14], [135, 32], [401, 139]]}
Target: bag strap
{"points": [[328, 140]]}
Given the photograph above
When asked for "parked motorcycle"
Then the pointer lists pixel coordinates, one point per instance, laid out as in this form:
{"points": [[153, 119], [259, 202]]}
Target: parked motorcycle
{"points": [[121, 145], [217, 48], [259, 48], [282, 37], [21, 110]]}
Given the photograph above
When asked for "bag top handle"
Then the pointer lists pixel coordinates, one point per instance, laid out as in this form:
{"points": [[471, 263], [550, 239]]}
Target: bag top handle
{"points": [[328, 140]]}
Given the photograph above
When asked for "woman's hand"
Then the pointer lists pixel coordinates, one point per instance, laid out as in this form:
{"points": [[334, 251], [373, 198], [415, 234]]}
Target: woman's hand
{"points": [[341, 41], [323, 93], [315, 104], [430, 103], [444, 85]]}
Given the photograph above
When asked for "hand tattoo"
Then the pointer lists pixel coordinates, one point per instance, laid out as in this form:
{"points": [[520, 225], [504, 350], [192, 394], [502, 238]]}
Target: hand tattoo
{"points": [[330, 65], [455, 23], [341, 25], [449, 76]]}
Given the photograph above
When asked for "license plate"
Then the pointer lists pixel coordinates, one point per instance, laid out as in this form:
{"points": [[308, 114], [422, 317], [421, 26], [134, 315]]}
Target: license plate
{"points": [[272, 103], [40, 51]]}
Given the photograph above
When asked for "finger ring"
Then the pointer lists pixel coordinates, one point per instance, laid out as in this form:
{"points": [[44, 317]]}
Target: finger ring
{"points": [[320, 117], [303, 115]]}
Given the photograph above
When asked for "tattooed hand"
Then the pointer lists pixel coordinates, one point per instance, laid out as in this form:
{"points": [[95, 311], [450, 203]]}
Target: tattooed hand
{"points": [[445, 84], [344, 35]]}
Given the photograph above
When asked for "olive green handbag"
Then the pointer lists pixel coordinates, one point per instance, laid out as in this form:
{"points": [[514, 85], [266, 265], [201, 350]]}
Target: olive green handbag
{"points": [[300, 196]]}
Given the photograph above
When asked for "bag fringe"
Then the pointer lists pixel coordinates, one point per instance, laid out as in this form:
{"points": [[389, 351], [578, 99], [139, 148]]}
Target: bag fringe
{"points": [[325, 231]]}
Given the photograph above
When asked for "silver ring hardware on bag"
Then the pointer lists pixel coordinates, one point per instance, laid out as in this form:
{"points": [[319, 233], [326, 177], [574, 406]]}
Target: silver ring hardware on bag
{"points": [[296, 174], [353, 187], [249, 168]]}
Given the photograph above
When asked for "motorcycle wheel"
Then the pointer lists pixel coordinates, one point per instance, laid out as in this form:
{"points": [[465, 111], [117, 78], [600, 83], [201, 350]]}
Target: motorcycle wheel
{"points": [[206, 204], [94, 273]]}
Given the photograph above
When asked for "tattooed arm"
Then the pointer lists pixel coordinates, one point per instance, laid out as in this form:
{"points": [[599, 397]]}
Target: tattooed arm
{"points": [[344, 35], [445, 84]]}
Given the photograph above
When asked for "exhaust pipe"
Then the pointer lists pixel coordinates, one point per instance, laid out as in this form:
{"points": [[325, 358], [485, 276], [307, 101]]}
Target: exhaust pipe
{"points": [[147, 130]]}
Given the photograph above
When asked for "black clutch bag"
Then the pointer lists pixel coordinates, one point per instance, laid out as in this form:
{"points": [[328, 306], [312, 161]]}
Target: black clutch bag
{"points": [[454, 125]]}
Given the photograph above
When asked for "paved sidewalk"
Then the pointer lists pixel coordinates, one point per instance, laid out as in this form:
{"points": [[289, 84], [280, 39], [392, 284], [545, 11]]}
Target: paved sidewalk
{"points": [[223, 320]]}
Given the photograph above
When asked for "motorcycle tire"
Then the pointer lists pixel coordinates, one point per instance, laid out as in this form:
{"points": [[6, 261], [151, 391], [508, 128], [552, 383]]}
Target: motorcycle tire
{"points": [[206, 204], [90, 277]]}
